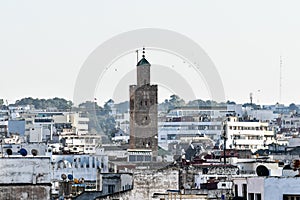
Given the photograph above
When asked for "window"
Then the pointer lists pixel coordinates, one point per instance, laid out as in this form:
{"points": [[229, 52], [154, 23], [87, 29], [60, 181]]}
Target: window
{"points": [[291, 197], [245, 190], [251, 196], [258, 196], [236, 191], [171, 136], [111, 189]]}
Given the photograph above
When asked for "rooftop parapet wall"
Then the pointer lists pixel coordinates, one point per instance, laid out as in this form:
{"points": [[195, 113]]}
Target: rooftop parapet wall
{"points": [[148, 182], [29, 170]]}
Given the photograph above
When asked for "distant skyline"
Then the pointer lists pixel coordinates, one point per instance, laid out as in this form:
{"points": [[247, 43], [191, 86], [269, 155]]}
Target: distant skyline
{"points": [[44, 44]]}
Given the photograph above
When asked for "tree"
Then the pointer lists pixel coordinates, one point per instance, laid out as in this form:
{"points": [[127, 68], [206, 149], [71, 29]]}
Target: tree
{"points": [[173, 102], [59, 103], [293, 107], [100, 119]]}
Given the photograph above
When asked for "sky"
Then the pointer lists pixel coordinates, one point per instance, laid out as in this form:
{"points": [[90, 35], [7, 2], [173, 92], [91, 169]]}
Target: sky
{"points": [[43, 44]]}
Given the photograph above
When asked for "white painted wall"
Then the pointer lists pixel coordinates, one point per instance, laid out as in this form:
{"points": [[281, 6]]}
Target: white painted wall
{"points": [[239, 182], [275, 187], [256, 185], [25, 170]]}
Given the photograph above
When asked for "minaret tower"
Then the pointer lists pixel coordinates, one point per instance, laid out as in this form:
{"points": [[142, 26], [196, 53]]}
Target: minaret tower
{"points": [[143, 116]]}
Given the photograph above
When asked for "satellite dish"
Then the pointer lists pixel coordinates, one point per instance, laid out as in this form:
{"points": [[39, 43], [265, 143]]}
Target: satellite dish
{"points": [[81, 180], [23, 152], [70, 177], [9, 152], [34, 152], [295, 164], [63, 176], [262, 170]]}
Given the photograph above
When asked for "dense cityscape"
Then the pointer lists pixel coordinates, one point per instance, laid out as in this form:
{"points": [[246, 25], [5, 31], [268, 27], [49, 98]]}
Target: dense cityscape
{"points": [[140, 149], [149, 100]]}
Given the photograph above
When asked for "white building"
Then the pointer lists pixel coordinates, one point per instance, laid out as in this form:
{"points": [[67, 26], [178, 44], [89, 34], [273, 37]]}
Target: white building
{"points": [[290, 124], [42, 130], [192, 121], [275, 188], [78, 167], [86, 143], [80, 123], [251, 135], [262, 115], [122, 121]]}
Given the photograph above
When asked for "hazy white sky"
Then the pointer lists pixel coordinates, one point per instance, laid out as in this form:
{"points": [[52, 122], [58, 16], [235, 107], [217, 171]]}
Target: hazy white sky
{"points": [[44, 44]]}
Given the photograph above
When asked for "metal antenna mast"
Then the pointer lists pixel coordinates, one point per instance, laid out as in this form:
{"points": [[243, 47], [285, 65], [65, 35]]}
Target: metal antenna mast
{"points": [[280, 79], [137, 56]]}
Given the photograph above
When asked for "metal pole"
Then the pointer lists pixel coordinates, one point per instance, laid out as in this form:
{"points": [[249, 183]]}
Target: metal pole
{"points": [[224, 151], [224, 137]]}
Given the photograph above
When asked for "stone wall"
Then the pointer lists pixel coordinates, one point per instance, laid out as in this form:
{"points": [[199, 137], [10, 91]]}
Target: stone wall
{"points": [[25, 192], [148, 182]]}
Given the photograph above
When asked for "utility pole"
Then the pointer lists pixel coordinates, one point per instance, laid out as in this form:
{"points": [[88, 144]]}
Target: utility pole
{"points": [[224, 138]]}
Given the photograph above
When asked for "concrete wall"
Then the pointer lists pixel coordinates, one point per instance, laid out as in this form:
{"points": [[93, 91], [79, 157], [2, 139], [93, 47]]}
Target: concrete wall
{"points": [[15, 148], [239, 182], [275, 187], [255, 185], [16, 126], [25, 192], [250, 167], [29, 170]]}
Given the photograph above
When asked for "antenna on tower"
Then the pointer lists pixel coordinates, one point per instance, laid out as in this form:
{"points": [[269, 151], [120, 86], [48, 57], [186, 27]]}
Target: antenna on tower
{"points": [[137, 56], [251, 98], [280, 79]]}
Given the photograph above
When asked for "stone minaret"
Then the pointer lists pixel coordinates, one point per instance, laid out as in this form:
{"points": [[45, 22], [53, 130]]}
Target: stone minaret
{"points": [[143, 111]]}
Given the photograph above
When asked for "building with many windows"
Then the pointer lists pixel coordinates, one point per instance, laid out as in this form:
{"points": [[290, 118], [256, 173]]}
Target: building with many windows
{"points": [[253, 135], [193, 121]]}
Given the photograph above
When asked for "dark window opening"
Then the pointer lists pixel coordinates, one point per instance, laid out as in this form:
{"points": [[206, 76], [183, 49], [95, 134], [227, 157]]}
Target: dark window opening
{"points": [[245, 190], [236, 191], [258, 196], [251, 196], [111, 189]]}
